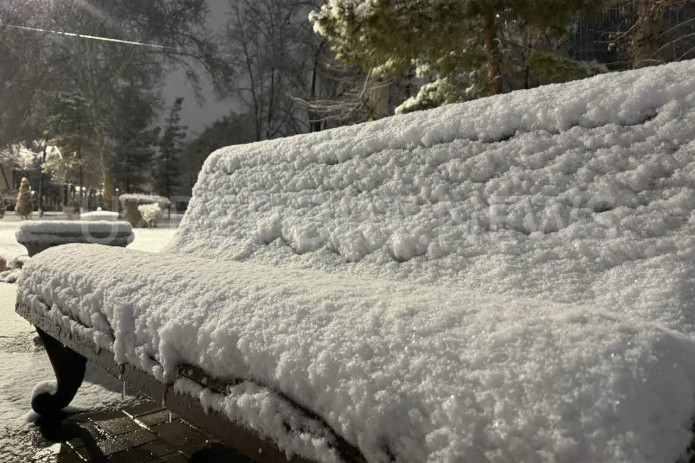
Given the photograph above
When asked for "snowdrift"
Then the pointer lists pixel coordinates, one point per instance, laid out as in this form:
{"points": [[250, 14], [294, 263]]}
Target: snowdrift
{"points": [[510, 279]]}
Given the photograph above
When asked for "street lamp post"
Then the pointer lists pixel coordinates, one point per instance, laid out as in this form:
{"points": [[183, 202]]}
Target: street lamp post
{"points": [[41, 164]]}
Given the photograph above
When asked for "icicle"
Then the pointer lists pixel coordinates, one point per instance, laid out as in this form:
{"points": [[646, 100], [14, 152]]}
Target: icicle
{"points": [[123, 392], [164, 396], [169, 420]]}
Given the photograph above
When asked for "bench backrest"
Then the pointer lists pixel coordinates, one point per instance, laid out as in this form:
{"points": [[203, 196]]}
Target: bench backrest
{"points": [[527, 192]]}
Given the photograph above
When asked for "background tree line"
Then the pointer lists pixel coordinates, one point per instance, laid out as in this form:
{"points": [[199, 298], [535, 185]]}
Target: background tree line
{"points": [[98, 102], [288, 67]]}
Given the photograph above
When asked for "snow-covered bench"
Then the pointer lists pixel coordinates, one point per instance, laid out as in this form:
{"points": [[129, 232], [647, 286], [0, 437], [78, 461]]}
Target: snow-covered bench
{"points": [[510, 279]]}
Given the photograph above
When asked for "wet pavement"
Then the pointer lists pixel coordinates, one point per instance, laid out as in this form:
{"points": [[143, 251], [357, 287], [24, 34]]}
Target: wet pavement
{"points": [[142, 433]]}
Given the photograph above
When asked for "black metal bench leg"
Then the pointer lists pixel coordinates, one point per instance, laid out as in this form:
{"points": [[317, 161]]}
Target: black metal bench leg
{"points": [[69, 368]]}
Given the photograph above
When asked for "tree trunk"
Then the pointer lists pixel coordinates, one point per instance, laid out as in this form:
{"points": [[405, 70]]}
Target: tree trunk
{"points": [[379, 95], [494, 57], [106, 174], [81, 175], [646, 39], [10, 187], [314, 123]]}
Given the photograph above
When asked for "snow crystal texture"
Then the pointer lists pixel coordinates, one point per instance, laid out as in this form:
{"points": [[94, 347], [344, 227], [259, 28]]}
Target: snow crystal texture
{"points": [[564, 192], [505, 280], [417, 373]]}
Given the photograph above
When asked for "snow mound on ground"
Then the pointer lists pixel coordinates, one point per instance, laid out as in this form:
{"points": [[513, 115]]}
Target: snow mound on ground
{"points": [[559, 193], [411, 372], [14, 266], [99, 215]]}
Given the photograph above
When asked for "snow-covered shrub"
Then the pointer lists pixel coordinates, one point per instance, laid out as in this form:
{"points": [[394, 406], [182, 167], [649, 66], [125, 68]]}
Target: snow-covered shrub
{"points": [[24, 203], [465, 85], [150, 214], [145, 199], [130, 204]]}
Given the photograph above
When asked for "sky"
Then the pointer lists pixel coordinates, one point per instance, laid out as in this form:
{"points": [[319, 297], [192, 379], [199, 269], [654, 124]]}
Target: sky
{"points": [[196, 115]]}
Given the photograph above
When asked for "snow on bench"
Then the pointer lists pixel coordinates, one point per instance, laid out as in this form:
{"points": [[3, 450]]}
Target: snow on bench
{"points": [[509, 279], [566, 193]]}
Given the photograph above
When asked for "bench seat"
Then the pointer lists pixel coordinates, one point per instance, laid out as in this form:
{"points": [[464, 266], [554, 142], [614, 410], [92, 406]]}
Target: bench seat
{"points": [[405, 371]]}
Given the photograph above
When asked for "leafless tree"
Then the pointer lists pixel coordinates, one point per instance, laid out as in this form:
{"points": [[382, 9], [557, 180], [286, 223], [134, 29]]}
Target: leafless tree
{"points": [[286, 76], [95, 48]]}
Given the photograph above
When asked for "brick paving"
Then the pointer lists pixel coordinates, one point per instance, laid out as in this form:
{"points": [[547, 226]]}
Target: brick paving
{"points": [[143, 433]]}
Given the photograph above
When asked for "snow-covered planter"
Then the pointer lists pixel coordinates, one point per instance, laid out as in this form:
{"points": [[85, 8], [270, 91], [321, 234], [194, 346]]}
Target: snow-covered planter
{"points": [[131, 202], [509, 279], [38, 236], [99, 216], [150, 214]]}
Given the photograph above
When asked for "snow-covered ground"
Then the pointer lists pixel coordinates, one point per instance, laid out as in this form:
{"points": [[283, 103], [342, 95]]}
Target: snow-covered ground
{"points": [[25, 364], [152, 240]]}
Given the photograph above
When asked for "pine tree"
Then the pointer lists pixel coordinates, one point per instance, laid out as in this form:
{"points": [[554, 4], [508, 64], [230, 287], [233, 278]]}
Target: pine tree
{"points": [[72, 129], [445, 36], [24, 203], [170, 149], [134, 140], [233, 129]]}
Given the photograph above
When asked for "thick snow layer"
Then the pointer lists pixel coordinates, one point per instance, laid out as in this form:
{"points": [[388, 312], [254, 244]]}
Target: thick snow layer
{"points": [[99, 215], [144, 199], [582, 192], [263, 410], [420, 373], [510, 279]]}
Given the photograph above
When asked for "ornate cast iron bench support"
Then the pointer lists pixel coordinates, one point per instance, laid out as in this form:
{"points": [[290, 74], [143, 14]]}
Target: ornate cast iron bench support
{"points": [[69, 368]]}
